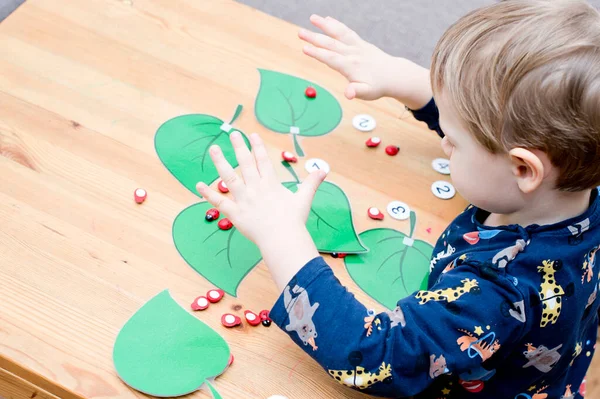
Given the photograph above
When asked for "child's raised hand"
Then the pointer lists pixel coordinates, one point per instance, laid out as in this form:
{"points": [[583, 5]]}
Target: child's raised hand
{"points": [[262, 208], [364, 65]]}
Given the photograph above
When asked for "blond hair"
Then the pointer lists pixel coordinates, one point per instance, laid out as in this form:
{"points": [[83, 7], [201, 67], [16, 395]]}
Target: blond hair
{"points": [[526, 73]]}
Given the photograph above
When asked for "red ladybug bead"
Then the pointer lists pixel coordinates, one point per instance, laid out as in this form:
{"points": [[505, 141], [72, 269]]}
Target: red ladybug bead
{"points": [[212, 214], [200, 303], [288, 156], [231, 359], [225, 224], [375, 213], [215, 296], [340, 255], [139, 195], [230, 320], [222, 187], [264, 315], [310, 92], [392, 150], [373, 142], [252, 318]]}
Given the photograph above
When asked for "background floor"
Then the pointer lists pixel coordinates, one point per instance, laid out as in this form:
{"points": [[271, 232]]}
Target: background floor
{"points": [[405, 28]]}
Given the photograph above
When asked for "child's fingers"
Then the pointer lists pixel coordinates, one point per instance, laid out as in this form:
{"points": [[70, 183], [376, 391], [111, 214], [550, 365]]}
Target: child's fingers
{"points": [[327, 57], [216, 199], [334, 28], [323, 41], [263, 162], [245, 159], [309, 186], [228, 175]]}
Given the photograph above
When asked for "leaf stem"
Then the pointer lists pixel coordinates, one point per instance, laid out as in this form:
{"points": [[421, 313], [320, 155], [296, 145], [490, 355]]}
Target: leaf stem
{"points": [[413, 223], [213, 391], [289, 168], [299, 150], [237, 113]]}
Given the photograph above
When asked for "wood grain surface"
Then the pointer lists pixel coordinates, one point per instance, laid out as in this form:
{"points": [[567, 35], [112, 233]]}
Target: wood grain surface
{"points": [[83, 87]]}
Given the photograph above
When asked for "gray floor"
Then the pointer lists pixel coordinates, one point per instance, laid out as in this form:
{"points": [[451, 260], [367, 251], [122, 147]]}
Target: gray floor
{"points": [[408, 28]]}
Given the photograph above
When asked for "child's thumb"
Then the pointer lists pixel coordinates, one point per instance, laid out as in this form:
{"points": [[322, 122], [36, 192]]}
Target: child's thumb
{"points": [[358, 90], [310, 185]]}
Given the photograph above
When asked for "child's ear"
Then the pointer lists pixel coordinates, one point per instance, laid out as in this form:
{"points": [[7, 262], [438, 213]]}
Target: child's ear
{"points": [[528, 168]]}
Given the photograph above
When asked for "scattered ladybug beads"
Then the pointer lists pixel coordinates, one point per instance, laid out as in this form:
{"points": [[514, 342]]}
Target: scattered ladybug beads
{"points": [[288, 157], [375, 213], [229, 320], [200, 303], [215, 296], [139, 195], [310, 92], [222, 187], [252, 318], [225, 224], [392, 150], [373, 142], [212, 214]]}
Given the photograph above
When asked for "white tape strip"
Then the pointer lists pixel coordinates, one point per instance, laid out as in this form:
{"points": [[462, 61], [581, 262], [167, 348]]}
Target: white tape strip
{"points": [[294, 130], [408, 241], [226, 127]]}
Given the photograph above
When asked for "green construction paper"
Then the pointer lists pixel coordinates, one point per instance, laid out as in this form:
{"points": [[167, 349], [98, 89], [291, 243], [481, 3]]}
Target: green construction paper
{"points": [[164, 351], [330, 220], [281, 104], [223, 257], [391, 270], [182, 145]]}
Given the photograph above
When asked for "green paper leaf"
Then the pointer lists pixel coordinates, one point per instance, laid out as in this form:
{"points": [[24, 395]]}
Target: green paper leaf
{"points": [[281, 104], [182, 145], [393, 269], [223, 257], [330, 220], [165, 351]]}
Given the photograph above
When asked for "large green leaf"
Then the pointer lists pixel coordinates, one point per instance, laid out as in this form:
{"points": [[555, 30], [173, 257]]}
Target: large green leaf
{"points": [[223, 257], [330, 220], [182, 145], [281, 104], [394, 267], [165, 351]]}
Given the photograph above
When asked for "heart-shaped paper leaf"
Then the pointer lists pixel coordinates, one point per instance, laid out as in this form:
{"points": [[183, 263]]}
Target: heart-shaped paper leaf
{"points": [[165, 351], [223, 257], [282, 106], [182, 145], [395, 266], [330, 220]]}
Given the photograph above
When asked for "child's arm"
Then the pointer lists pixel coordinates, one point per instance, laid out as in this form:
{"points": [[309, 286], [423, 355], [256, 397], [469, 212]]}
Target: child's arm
{"points": [[393, 354], [371, 72]]}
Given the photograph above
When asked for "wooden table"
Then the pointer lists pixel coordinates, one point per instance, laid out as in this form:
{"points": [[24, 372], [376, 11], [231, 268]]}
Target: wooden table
{"points": [[84, 85]]}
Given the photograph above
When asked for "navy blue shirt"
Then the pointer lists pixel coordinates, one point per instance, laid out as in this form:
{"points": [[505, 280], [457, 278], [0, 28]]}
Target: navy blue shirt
{"points": [[510, 312]]}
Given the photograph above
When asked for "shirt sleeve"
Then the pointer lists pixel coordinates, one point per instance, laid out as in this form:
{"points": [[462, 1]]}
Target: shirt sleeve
{"points": [[463, 325], [430, 115]]}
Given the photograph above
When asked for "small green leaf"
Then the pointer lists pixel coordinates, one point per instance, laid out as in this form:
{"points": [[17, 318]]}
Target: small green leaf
{"points": [[182, 144], [165, 351], [223, 257], [330, 220], [281, 104], [393, 269]]}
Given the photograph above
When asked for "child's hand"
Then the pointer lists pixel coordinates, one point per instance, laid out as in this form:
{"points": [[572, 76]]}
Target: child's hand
{"points": [[363, 64], [262, 208], [372, 73]]}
